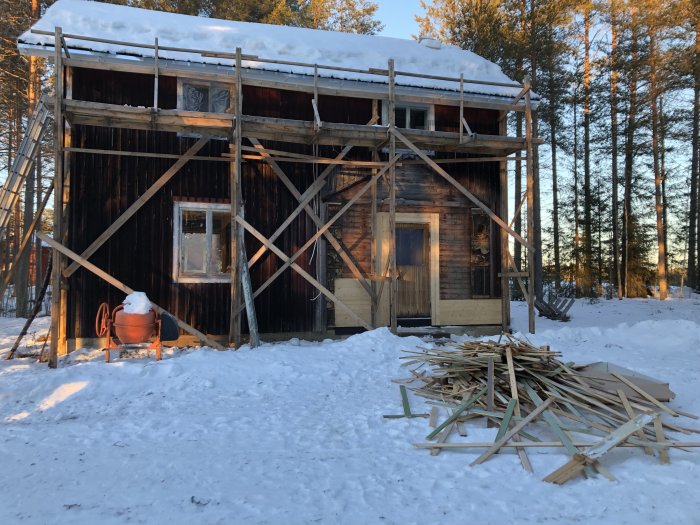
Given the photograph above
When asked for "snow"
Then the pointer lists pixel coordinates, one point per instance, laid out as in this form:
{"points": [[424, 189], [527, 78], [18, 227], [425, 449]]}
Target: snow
{"points": [[137, 303], [130, 24], [293, 433]]}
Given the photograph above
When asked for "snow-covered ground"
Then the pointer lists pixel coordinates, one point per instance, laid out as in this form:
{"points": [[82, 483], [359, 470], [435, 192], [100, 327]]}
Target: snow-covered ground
{"points": [[293, 433]]}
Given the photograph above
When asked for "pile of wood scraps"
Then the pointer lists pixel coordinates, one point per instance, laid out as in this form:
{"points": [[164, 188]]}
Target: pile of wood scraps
{"points": [[537, 401]]}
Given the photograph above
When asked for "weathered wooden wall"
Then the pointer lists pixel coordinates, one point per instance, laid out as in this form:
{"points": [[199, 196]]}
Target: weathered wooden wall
{"points": [[140, 253]]}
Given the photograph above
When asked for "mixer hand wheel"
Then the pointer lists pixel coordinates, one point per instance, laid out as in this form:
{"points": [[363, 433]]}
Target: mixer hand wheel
{"points": [[102, 320]]}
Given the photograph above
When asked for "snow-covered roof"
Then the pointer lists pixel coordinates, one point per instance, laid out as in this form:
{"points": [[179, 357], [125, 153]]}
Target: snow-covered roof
{"points": [[311, 46]]}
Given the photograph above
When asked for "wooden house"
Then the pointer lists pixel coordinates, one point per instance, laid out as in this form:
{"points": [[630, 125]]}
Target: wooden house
{"points": [[369, 174]]}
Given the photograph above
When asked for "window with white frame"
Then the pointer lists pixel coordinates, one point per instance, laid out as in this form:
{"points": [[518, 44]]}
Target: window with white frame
{"points": [[208, 97], [411, 116], [202, 241]]}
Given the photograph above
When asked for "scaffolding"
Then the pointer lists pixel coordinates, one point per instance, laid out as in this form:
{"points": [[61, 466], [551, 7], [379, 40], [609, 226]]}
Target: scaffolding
{"points": [[238, 126]]}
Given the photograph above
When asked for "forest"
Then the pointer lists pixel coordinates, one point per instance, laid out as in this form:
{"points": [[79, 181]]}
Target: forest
{"points": [[619, 114]]}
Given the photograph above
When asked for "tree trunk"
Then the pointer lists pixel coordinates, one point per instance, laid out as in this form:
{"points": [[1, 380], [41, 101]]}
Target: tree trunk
{"points": [[613, 132], [555, 184], [587, 284], [629, 159], [659, 204], [694, 217]]}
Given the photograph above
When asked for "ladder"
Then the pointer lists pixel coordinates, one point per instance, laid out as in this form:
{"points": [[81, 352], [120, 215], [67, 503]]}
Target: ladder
{"points": [[26, 154]]}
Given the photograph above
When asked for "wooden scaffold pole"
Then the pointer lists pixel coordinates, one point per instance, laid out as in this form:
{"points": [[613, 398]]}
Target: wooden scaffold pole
{"points": [[393, 296], [56, 277], [530, 209], [234, 182]]}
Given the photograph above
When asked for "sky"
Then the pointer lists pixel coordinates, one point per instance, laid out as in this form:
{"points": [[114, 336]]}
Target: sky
{"points": [[397, 17]]}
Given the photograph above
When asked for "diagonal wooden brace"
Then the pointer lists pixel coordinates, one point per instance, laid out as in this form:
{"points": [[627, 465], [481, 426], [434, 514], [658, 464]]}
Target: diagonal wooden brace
{"points": [[138, 204], [124, 288], [315, 218], [330, 223], [306, 275], [468, 194]]}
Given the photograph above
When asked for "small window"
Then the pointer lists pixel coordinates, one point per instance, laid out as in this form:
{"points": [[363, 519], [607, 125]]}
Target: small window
{"points": [[203, 96], [413, 117], [410, 246], [202, 239]]}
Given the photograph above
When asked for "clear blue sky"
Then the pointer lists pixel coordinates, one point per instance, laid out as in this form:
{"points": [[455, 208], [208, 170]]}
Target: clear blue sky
{"points": [[397, 17]]}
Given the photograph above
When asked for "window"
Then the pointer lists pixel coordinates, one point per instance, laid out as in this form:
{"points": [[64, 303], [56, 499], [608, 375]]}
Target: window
{"points": [[202, 240], [411, 117], [207, 97]]}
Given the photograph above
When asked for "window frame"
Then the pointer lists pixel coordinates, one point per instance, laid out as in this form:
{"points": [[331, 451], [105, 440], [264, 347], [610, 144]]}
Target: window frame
{"points": [[191, 277], [181, 81], [429, 115]]}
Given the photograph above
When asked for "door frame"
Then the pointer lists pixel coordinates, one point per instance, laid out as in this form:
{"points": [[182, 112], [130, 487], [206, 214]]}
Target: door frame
{"points": [[382, 247]]}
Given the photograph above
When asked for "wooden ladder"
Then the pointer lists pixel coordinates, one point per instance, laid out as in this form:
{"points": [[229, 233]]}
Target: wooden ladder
{"points": [[23, 162]]}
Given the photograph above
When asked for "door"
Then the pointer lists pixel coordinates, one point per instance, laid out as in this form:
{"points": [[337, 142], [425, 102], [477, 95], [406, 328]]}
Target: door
{"points": [[413, 267]]}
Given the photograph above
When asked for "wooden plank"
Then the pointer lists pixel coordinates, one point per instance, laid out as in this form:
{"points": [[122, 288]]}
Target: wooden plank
{"points": [[457, 412], [631, 414], [530, 208], [524, 422], [659, 431], [432, 422], [489, 386], [394, 289], [404, 401], [308, 277], [644, 394], [247, 288], [552, 444], [442, 438], [506, 419], [619, 435], [124, 288], [138, 204], [514, 395]]}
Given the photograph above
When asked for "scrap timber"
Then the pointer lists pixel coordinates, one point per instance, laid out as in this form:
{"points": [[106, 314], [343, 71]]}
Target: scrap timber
{"points": [[532, 395]]}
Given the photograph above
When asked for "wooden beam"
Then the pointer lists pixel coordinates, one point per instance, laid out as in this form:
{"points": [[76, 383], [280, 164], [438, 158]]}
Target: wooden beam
{"points": [[530, 209], [124, 288], [394, 290], [247, 287], [138, 204], [288, 261], [459, 187]]}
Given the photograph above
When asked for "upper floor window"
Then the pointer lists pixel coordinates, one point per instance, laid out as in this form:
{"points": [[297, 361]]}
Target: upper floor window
{"points": [[202, 239], [207, 97], [411, 116]]}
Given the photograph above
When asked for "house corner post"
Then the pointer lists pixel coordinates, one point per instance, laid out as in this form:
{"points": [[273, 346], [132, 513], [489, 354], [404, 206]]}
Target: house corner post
{"points": [[56, 277]]}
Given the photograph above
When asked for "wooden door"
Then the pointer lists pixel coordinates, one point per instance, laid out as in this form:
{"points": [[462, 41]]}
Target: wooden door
{"points": [[413, 266]]}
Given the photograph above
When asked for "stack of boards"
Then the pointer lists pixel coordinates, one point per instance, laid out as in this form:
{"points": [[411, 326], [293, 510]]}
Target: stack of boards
{"points": [[536, 401]]}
